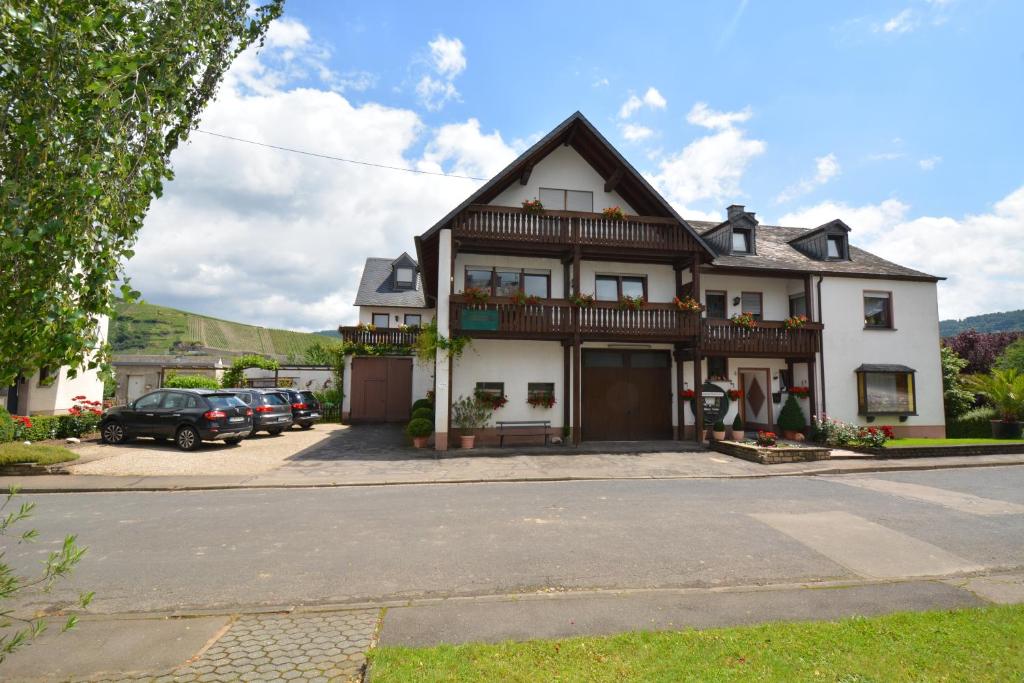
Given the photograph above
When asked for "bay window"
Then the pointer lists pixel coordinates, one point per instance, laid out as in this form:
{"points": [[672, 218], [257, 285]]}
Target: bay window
{"points": [[886, 390]]}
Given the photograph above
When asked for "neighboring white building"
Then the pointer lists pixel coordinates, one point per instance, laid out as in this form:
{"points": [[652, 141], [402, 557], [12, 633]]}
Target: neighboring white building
{"points": [[52, 391], [518, 283]]}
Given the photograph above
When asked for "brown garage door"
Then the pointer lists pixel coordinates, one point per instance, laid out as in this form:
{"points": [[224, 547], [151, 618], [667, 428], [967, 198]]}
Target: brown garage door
{"points": [[381, 389], [627, 395]]}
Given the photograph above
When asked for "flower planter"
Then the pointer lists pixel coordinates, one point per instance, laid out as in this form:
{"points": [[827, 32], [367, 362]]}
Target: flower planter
{"points": [[718, 436], [1006, 430], [790, 434], [738, 435], [420, 441], [467, 441]]}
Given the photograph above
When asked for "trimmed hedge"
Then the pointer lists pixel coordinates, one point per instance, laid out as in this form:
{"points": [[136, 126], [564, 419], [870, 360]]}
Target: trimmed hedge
{"points": [[425, 413], [6, 426], [191, 382], [974, 424], [57, 427], [422, 403], [419, 427]]}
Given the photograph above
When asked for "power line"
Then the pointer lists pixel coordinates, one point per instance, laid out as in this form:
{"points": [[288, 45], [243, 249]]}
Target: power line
{"points": [[332, 158]]}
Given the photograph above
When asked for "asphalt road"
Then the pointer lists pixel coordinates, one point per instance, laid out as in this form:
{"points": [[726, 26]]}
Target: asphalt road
{"points": [[243, 548]]}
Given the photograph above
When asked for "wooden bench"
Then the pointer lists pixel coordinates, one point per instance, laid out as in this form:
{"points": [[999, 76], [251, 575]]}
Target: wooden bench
{"points": [[523, 428]]}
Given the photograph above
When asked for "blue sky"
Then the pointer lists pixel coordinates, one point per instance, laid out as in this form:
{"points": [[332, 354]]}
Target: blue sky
{"points": [[901, 117]]}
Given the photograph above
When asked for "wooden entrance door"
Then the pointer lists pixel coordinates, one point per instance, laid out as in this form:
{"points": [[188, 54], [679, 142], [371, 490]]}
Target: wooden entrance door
{"points": [[627, 395], [381, 389], [757, 397]]}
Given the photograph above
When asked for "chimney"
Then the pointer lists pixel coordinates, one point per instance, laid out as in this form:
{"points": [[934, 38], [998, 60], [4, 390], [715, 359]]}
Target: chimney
{"points": [[735, 211]]}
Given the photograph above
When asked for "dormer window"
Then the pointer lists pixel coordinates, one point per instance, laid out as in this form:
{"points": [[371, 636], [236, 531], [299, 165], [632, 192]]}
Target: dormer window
{"points": [[836, 247], [741, 241], [403, 276]]}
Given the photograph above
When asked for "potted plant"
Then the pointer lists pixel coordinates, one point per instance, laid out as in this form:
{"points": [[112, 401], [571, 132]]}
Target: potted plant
{"points": [[794, 322], [766, 439], [582, 301], [687, 394], [419, 430], [1004, 389], [718, 431], [523, 299], [533, 206], [631, 303], [476, 295], [800, 392], [734, 394], [744, 320], [469, 412], [791, 418], [737, 428], [614, 213]]}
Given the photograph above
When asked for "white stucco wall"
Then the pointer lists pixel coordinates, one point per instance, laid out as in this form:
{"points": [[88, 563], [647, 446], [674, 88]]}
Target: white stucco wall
{"points": [[775, 292], [516, 363], [563, 169], [554, 266], [366, 314], [914, 342], [56, 397]]}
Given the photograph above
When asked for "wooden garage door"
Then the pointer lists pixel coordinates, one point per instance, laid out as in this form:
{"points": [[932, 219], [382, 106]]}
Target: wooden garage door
{"points": [[627, 395], [381, 389]]}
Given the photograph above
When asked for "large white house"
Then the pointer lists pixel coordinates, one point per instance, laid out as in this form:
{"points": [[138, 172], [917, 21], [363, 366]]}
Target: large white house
{"points": [[569, 302]]}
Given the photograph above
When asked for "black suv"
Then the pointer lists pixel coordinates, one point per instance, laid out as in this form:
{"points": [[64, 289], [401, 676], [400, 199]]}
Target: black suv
{"points": [[271, 412], [305, 407], [189, 416]]}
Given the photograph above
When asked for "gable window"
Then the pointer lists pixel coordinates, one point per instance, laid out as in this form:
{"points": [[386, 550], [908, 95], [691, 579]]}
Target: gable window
{"points": [[751, 302], [555, 199], [509, 282], [413, 319], [380, 320], [740, 241], [836, 247], [877, 310], [614, 287], [886, 390], [403, 276], [714, 302], [797, 305]]}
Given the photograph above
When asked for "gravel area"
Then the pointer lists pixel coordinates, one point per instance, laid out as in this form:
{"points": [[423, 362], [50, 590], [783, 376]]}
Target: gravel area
{"points": [[146, 457]]}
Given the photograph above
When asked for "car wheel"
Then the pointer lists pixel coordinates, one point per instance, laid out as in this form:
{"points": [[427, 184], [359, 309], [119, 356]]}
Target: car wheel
{"points": [[113, 433], [233, 441], [306, 425], [274, 432], [187, 438]]}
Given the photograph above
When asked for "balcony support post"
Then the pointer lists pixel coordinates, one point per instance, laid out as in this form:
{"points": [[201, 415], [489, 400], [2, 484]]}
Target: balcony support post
{"points": [[680, 358], [442, 361], [812, 386], [698, 378], [577, 352]]}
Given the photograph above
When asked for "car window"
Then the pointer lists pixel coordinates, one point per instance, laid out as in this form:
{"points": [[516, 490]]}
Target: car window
{"points": [[176, 401], [150, 401], [224, 401], [245, 397], [308, 396], [274, 400]]}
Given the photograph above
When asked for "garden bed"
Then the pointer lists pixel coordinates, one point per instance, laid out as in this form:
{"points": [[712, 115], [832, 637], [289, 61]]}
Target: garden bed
{"points": [[771, 455], [937, 448], [17, 459]]}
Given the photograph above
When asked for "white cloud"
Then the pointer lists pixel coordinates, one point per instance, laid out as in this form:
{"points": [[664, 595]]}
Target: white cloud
{"points": [[272, 238], [710, 167], [434, 93], [702, 115], [600, 83], [287, 33], [652, 99], [979, 254], [826, 168], [903, 22], [929, 163], [448, 57], [635, 133]]}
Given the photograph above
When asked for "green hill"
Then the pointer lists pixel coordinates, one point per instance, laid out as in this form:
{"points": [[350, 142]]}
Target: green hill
{"points": [[1007, 321], [143, 328]]}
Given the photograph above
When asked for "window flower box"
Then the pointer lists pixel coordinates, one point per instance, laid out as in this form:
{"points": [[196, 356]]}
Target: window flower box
{"points": [[477, 295], [688, 304], [744, 320], [491, 400], [582, 301], [734, 394], [522, 299], [795, 322], [800, 392], [532, 206], [613, 213], [541, 400], [632, 303], [687, 394]]}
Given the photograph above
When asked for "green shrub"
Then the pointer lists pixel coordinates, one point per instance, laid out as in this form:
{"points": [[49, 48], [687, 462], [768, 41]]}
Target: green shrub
{"points": [[332, 396], [43, 427], [974, 424], [425, 413], [419, 427], [719, 426], [737, 423], [6, 426], [791, 418], [422, 403], [191, 382]]}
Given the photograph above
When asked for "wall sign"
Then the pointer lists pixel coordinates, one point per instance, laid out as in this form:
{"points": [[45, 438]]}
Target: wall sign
{"points": [[716, 403], [480, 319]]}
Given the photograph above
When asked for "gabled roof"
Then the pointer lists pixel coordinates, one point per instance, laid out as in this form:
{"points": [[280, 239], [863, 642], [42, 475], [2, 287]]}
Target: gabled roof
{"points": [[832, 226], [776, 252], [595, 149], [377, 286]]}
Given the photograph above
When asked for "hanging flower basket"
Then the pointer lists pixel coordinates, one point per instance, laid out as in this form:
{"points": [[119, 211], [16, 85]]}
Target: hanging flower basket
{"points": [[735, 394], [493, 401], [522, 299], [687, 394], [632, 303], [582, 301], [744, 320], [795, 322], [541, 400], [532, 206], [800, 392], [477, 295], [613, 213], [688, 304]]}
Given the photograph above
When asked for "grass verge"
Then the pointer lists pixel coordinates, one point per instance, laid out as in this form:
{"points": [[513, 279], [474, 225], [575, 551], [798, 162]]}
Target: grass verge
{"points": [[44, 454], [985, 644], [909, 443]]}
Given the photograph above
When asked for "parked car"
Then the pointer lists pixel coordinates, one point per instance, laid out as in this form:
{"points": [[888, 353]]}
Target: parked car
{"points": [[189, 416], [271, 412], [305, 408]]}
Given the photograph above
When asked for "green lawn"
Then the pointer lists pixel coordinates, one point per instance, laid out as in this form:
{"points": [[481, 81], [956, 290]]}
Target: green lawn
{"points": [[968, 645], [11, 453], [904, 443]]}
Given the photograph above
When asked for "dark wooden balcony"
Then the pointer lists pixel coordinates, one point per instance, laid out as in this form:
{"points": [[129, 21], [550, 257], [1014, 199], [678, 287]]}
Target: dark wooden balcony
{"points": [[391, 336], [768, 339], [559, 230]]}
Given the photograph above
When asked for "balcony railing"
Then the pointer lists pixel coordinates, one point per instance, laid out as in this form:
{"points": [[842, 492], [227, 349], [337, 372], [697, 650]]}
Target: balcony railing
{"points": [[389, 336], [768, 338], [498, 223], [504, 318]]}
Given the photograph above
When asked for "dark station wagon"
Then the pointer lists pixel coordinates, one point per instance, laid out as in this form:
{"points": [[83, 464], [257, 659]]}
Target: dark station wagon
{"points": [[305, 408], [271, 411], [189, 416]]}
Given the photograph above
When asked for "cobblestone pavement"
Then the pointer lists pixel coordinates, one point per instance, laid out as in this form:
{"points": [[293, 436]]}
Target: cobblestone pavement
{"points": [[295, 647]]}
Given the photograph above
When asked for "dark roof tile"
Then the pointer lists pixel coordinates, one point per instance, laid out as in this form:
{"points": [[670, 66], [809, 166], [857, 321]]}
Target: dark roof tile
{"points": [[377, 287]]}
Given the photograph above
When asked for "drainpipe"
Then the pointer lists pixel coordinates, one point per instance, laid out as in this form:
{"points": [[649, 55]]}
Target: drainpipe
{"points": [[821, 353]]}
